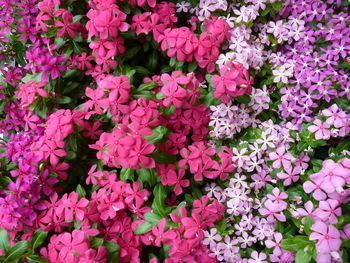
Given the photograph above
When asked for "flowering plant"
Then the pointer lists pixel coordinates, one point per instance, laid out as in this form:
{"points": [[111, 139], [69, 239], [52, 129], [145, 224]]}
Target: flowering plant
{"points": [[174, 131]]}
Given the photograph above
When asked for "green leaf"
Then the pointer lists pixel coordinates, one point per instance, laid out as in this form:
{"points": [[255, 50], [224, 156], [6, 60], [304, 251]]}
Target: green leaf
{"points": [[302, 257], [160, 195], [131, 52], [147, 86], [38, 238], [81, 191], [208, 78], [111, 246], [157, 135], [37, 259], [162, 157], [113, 251], [127, 174], [64, 100], [35, 77], [245, 99], [143, 228], [148, 176], [172, 62], [77, 18], [148, 95], [170, 110], [153, 60], [4, 240], [59, 41], [77, 48], [296, 243], [160, 96], [19, 51], [15, 252], [142, 70], [72, 142], [152, 218], [96, 242], [308, 224], [192, 66]]}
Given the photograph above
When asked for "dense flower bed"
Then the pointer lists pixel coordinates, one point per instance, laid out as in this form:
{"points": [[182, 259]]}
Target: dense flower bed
{"points": [[173, 131]]}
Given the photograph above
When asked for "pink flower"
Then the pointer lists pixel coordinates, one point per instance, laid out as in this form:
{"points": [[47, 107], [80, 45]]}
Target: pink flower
{"points": [[272, 211], [328, 211], [233, 81], [335, 116], [281, 157], [320, 129], [72, 207], [94, 256], [328, 237], [160, 234], [109, 22], [67, 25], [276, 244], [308, 211], [50, 150], [278, 197], [70, 243], [332, 177], [138, 151], [98, 101], [291, 175], [173, 92], [173, 179], [315, 187]]}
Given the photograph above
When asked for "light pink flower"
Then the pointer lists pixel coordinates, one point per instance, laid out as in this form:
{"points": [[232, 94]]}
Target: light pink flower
{"points": [[328, 237]]}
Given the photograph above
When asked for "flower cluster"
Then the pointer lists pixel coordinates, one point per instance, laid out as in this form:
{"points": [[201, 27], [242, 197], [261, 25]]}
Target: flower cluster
{"points": [[182, 131]]}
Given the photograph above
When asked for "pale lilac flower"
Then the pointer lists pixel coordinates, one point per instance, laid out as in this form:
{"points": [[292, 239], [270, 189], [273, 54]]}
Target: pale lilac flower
{"points": [[270, 243], [308, 211], [281, 157], [239, 156], [328, 237], [272, 211], [335, 116], [282, 73], [278, 197], [210, 238], [328, 211], [257, 257], [246, 240]]}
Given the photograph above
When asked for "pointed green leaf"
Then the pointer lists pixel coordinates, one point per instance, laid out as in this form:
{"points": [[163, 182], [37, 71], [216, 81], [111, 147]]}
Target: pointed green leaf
{"points": [[37, 259], [38, 238], [4, 240], [15, 252]]}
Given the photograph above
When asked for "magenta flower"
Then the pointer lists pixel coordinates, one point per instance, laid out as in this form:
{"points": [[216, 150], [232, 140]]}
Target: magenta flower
{"points": [[70, 243], [328, 237], [160, 234], [53, 67], [173, 179]]}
